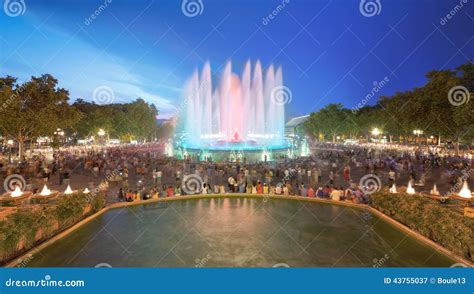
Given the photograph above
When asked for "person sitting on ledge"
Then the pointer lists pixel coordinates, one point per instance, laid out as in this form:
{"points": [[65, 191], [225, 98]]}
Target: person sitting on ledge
{"points": [[163, 191], [248, 188], [129, 196], [254, 189], [278, 189], [303, 190], [120, 195], [177, 191], [336, 195], [145, 195], [259, 187], [154, 193], [169, 191], [311, 192], [327, 191], [320, 193], [137, 195], [265, 188]]}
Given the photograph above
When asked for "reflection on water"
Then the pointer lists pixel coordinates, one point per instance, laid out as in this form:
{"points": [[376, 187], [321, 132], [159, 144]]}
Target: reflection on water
{"points": [[238, 232]]}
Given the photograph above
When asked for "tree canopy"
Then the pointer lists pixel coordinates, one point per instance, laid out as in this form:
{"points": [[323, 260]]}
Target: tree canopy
{"points": [[39, 107], [441, 107]]}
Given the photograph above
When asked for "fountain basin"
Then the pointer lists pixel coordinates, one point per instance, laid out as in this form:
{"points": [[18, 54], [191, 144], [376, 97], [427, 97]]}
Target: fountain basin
{"points": [[235, 231]]}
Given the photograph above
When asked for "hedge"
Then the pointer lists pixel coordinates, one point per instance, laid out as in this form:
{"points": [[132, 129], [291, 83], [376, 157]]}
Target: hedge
{"points": [[431, 219], [30, 225]]}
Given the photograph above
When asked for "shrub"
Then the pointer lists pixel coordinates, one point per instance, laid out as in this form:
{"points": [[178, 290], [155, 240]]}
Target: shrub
{"points": [[27, 226], [431, 219]]}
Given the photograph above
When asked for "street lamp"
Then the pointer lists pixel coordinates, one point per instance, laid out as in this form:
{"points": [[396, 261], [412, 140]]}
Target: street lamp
{"points": [[417, 133], [60, 134], [376, 132], [10, 145], [101, 134]]}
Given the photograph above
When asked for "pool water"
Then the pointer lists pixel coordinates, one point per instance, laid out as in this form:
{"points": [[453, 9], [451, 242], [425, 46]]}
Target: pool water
{"points": [[238, 232]]}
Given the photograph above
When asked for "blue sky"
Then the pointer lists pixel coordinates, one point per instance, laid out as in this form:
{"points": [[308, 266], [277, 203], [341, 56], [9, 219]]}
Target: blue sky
{"points": [[329, 51]]}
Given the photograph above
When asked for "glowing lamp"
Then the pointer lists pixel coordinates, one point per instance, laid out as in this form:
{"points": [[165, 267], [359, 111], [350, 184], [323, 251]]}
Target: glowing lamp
{"points": [[68, 190], [17, 192], [434, 191], [393, 189], [410, 189], [465, 191], [45, 191]]}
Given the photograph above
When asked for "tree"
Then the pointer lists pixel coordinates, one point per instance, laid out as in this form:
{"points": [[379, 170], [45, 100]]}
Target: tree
{"points": [[35, 108], [127, 121]]}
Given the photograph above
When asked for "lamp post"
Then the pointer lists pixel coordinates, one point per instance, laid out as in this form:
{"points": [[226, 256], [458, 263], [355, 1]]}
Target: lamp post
{"points": [[101, 134], [59, 133], [376, 133], [10, 145], [417, 133]]}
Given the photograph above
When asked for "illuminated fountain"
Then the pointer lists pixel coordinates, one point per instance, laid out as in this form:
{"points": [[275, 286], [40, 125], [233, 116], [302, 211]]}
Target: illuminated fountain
{"points": [[68, 190], [17, 192], [434, 191], [393, 189], [465, 191], [410, 189], [305, 148], [15, 197], [244, 114], [45, 191]]}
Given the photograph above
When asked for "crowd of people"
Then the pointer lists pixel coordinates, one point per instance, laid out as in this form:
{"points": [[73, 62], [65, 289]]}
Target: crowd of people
{"points": [[333, 171]]}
